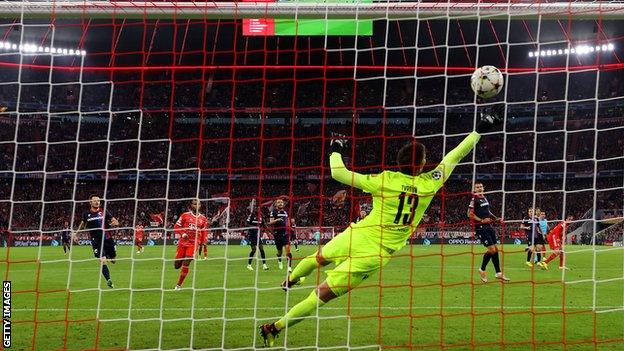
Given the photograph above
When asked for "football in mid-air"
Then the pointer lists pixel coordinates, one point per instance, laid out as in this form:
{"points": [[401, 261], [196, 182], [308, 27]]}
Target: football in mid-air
{"points": [[487, 81]]}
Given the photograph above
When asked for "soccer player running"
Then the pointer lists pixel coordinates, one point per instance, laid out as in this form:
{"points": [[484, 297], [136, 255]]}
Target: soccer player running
{"points": [[253, 236], [66, 238], [280, 222], [399, 202], [188, 228], [479, 213], [555, 242], [139, 234], [95, 221], [535, 239]]}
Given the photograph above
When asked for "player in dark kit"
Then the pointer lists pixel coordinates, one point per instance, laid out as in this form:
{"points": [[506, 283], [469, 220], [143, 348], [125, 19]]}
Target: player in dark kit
{"points": [[280, 222], [253, 236], [66, 238], [534, 237], [481, 216], [95, 221]]}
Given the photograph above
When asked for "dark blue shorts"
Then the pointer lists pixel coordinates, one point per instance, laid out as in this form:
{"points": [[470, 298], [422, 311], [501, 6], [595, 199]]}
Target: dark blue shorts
{"points": [[253, 240], [487, 235], [107, 250], [539, 239], [281, 241]]}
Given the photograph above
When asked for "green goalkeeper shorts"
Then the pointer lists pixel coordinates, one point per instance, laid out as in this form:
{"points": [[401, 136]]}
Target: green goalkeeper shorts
{"points": [[356, 257]]}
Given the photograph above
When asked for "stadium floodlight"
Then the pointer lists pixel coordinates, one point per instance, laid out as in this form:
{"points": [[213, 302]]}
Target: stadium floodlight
{"points": [[29, 48], [578, 50]]}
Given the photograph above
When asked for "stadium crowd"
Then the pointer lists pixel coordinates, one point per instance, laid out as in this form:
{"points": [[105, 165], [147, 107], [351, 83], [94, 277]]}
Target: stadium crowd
{"points": [[241, 156]]}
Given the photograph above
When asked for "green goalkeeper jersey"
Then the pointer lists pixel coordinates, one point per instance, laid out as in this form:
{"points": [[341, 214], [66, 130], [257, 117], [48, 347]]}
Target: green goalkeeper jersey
{"points": [[399, 200]]}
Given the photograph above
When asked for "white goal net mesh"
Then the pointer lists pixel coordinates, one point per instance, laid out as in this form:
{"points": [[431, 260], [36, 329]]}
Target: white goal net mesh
{"points": [[149, 106]]}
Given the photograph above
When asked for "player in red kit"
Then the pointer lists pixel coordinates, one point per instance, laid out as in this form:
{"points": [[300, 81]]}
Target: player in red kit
{"points": [[555, 241], [139, 234], [189, 227]]}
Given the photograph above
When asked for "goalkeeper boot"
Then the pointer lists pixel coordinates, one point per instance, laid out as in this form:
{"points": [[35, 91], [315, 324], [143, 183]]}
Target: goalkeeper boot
{"points": [[280, 265], [110, 284], [265, 267], [530, 264], [249, 267], [501, 277], [269, 333], [287, 284]]}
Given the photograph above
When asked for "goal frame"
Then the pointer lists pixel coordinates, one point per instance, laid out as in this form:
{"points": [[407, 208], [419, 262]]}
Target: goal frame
{"points": [[321, 10]]}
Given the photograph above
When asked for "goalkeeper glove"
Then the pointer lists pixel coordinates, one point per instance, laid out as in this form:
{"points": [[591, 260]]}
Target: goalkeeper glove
{"points": [[338, 144], [490, 119]]}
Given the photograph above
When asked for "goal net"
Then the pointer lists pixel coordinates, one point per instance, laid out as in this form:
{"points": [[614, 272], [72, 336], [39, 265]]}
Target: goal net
{"points": [[150, 106]]}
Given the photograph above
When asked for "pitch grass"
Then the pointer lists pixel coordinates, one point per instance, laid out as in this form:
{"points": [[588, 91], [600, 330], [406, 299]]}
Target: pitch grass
{"points": [[425, 299]]}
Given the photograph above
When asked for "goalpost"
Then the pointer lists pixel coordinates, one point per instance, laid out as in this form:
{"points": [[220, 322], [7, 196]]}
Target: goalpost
{"points": [[151, 104]]}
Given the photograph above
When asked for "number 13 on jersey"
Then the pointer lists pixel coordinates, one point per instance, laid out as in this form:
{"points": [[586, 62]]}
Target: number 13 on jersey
{"points": [[412, 202]]}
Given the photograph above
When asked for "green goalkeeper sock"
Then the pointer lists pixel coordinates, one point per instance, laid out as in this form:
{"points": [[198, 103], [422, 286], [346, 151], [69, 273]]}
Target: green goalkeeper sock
{"points": [[299, 311], [304, 268]]}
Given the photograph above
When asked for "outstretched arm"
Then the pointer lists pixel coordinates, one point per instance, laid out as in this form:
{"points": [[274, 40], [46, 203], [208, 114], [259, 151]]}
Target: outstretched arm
{"points": [[340, 173], [457, 154], [487, 121]]}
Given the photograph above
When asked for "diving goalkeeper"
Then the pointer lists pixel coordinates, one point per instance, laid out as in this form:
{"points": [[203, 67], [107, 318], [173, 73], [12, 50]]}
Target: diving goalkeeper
{"points": [[399, 202]]}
